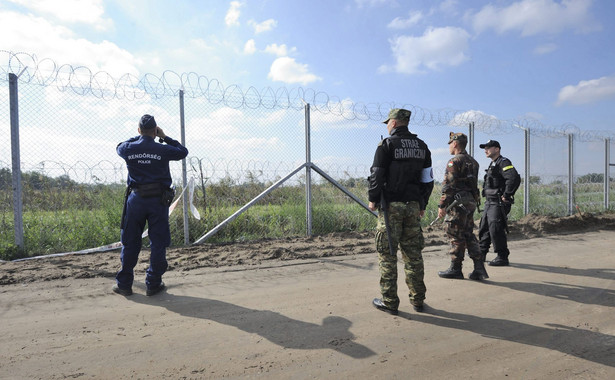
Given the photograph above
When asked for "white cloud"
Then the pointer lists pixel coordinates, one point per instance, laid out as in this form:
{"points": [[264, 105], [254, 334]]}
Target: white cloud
{"points": [[533, 115], [588, 91], [210, 133], [272, 118], [372, 3], [233, 13], [448, 6], [341, 115], [71, 11], [404, 23], [190, 55], [545, 49], [249, 47], [287, 70], [279, 50], [263, 26], [217, 124], [532, 17], [31, 34], [479, 118], [437, 47]]}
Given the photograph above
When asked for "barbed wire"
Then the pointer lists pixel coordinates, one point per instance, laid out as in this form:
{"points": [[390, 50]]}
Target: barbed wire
{"points": [[82, 81], [102, 172], [209, 170]]}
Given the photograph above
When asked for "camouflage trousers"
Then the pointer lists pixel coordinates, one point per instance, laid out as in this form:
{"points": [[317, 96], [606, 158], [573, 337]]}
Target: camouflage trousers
{"points": [[406, 233], [460, 232]]}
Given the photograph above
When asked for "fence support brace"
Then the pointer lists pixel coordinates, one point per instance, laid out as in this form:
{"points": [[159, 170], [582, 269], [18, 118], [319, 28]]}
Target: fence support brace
{"points": [[309, 166]]}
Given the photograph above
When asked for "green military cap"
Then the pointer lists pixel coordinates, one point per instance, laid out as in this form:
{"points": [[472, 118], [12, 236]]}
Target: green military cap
{"points": [[398, 114], [452, 136]]}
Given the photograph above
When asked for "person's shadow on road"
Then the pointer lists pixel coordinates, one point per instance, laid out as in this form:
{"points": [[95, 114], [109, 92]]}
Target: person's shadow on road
{"points": [[582, 294], [286, 332], [604, 273], [586, 344]]}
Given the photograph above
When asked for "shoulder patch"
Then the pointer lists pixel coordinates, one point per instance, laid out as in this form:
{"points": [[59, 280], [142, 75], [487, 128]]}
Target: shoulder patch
{"points": [[507, 168], [450, 164]]}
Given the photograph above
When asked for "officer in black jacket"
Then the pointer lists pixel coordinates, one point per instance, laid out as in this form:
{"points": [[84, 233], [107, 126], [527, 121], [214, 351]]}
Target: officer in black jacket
{"points": [[148, 199], [501, 183], [400, 184]]}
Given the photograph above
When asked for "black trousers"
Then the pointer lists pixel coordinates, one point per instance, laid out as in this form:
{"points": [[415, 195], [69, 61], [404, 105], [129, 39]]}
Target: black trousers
{"points": [[492, 228]]}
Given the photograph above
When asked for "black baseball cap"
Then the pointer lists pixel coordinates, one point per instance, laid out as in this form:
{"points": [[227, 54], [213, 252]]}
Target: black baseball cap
{"points": [[490, 144]]}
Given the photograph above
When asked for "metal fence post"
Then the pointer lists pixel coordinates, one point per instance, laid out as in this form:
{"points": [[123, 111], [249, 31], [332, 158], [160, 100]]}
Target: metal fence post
{"points": [[607, 170], [308, 173], [471, 138], [526, 181], [16, 161], [570, 174], [184, 170]]}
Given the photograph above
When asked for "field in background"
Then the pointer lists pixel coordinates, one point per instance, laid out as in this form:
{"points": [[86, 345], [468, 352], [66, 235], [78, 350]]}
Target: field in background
{"points": [[61, 215]]}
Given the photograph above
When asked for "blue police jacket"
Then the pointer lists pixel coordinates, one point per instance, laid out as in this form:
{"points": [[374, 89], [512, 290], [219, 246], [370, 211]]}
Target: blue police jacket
{"points": [[148, 161]]}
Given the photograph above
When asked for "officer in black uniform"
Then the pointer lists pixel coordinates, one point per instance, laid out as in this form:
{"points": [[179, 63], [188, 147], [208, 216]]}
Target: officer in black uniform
{"points": [[148, 198], [501, 183]]}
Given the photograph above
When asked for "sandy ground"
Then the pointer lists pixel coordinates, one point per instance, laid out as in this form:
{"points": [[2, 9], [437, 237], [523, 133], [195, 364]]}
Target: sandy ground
{"points": [[301, 309]]}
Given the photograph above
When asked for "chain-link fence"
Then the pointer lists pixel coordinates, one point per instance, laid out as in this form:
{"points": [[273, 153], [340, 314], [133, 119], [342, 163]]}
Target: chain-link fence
{"points": [[242, 143]]}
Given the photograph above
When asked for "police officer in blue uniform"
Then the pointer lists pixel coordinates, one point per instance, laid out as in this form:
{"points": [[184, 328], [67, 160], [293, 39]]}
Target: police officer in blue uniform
{"points": [[148, 197]]}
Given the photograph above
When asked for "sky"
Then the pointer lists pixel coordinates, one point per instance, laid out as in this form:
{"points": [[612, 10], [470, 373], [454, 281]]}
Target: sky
{"points": [[548, 60]]}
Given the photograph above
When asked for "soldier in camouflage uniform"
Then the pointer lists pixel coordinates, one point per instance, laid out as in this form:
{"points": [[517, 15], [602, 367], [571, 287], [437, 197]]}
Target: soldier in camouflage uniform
{"points": [[459, 200], [400, 184]]}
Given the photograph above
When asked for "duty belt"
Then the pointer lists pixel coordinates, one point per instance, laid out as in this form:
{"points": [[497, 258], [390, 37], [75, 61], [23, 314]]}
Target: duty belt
{"points": [[148, 190]]}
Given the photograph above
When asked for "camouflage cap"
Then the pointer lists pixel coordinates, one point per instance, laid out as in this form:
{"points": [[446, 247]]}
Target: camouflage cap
{"points": [[452, 136], [398, 114]]}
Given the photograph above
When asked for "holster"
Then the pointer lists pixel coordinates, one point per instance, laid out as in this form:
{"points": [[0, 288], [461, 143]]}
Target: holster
{"points": [[167, 197]]}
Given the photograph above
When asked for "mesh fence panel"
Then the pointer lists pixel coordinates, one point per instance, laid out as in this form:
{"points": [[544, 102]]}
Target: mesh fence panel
{"points": [[237, 153], [589, 175], [549, 175], [241, 143]]}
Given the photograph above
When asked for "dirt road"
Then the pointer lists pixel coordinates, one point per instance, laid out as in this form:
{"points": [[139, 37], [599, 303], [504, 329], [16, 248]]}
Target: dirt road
{"points": [[550, 315]]}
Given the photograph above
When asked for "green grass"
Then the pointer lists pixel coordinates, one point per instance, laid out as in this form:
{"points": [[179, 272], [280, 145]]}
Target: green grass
{"points": [[56, 220]]}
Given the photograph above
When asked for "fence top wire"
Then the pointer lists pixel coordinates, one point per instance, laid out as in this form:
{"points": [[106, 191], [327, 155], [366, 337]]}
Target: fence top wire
{"points": [[82, 81]]}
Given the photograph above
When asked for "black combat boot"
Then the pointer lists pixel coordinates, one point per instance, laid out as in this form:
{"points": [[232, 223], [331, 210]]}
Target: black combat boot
{"points": [[500, 261], [479, 272], [453, 272]]}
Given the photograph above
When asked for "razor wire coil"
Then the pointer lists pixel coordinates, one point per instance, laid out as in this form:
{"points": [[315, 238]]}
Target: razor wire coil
{"points": [[81, 80]]}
